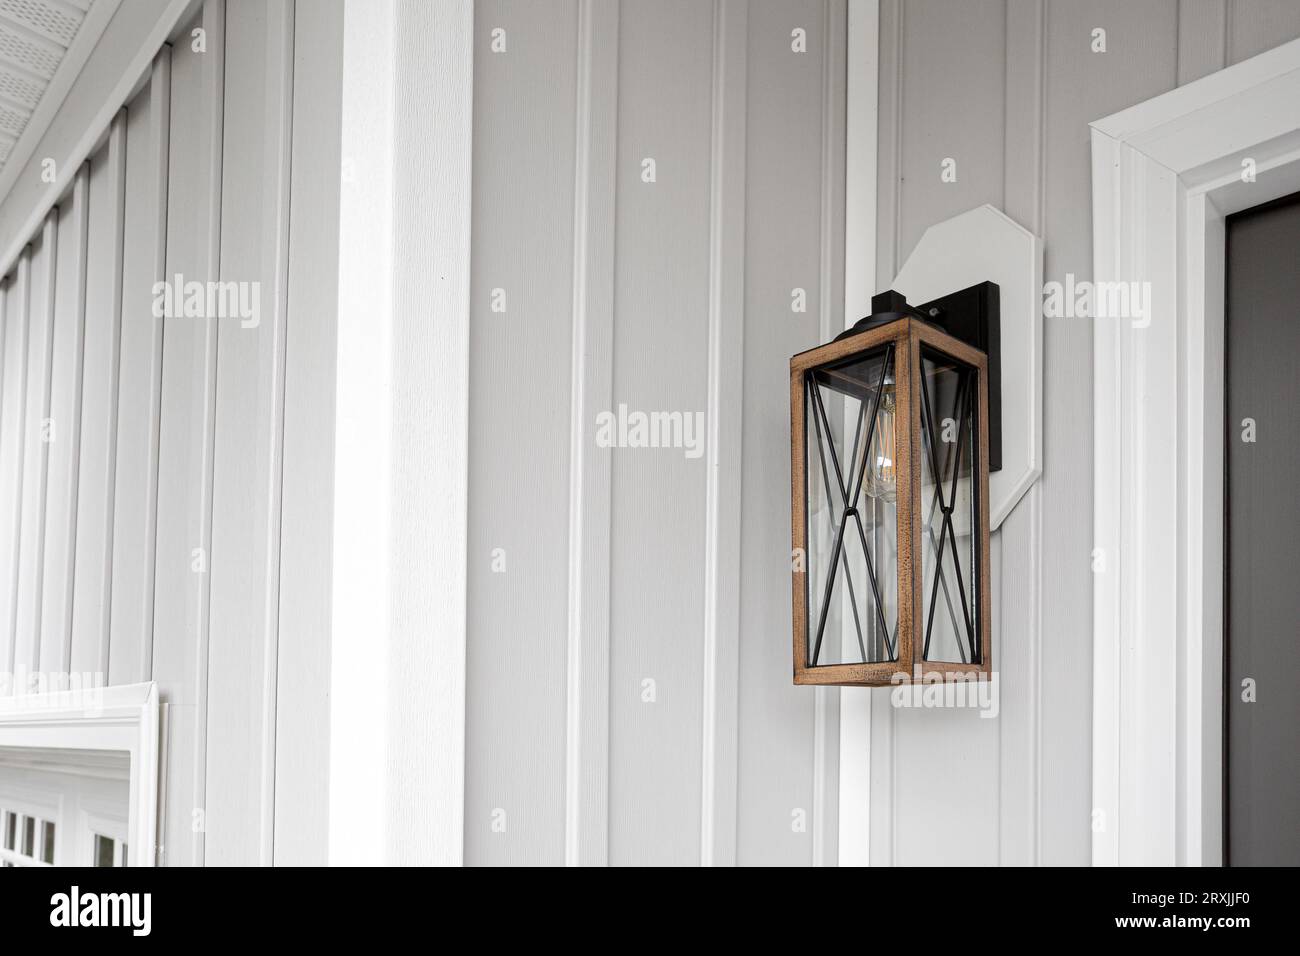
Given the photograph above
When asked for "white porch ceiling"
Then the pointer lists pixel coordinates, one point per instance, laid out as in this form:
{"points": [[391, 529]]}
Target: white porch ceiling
{"points": [[35, 36]]}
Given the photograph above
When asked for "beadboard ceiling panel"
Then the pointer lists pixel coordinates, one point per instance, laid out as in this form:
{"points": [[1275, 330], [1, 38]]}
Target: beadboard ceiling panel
{"points": [[43, 45]]}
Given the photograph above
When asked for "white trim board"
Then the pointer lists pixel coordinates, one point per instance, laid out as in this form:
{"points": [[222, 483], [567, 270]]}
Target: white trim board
{"points": [[1165, 173], [123, 718], [397, 705], [861, 136]]}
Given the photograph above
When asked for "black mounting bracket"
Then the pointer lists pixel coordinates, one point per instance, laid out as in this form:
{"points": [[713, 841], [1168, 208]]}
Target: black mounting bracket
{"points": [[970, 315]]}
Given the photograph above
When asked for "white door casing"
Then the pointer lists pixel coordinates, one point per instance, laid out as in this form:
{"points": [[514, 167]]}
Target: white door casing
{"points": [[1165, 173]]}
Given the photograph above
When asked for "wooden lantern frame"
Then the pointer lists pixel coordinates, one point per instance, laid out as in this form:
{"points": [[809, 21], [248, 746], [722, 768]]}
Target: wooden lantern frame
{"points": [[908, 335]]}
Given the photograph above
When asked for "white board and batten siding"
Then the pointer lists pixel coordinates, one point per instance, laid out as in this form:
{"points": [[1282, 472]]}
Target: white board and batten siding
{"points": [[145, 462], [1016, 86], [629, 695], [168, 485]]}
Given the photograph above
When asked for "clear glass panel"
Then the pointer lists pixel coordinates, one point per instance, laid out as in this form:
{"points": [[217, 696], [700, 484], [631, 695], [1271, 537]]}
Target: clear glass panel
{"points": [[948, 511], [11, 829], [29, 836], [103, 851], [852, 517], [47, 846]]}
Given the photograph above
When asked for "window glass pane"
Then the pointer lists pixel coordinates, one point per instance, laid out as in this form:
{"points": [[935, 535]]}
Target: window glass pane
{"points": [[948, 511], [47, 849], [11, 829], [124, 863], [103, 851], [852, 512], [29, 836]]}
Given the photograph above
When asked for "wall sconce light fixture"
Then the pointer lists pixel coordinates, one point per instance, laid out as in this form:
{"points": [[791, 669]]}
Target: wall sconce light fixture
{"points": [[894, 427]]}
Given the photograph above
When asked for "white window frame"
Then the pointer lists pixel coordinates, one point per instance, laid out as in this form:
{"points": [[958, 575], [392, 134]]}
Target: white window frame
{"points": [[80, 792], [1165, 173], [122, 719], [24, 800]]}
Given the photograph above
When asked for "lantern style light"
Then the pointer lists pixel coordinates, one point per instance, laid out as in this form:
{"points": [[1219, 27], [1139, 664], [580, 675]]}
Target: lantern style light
{"points": [[891, 447]]}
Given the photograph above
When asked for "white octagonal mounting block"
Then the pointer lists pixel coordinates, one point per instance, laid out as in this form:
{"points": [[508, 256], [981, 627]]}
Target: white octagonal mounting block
{"points": [[984, 245]]}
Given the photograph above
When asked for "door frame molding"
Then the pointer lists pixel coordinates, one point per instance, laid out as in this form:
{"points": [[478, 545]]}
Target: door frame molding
{"points": [[1165, 174]]}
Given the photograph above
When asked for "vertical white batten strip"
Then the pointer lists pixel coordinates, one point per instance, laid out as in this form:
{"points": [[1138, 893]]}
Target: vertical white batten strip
{"points": [[279, 125], [61, 507], [884, 737], [826, 700], [1036, 500], [183, 524], [99, 564], [1015, 547], [214, 22], [1106, 512], [18, 324], [433, 180], [303, 665], [586, 781], [360, 585], [6, 639], [160, 110], [36, 463], [397, 743], [861, 138], [280, 104], [719, 752]]}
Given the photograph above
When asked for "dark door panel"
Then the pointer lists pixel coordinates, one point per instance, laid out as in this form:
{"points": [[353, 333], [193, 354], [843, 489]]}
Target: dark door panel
{"points": [[1262, 535]]}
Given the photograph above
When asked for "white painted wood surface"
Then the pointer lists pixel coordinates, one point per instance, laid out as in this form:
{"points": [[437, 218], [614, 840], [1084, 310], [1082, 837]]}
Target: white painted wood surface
{"points": [[586, 775], [1165, 173], [12, 449], [64, 436], [536, 759], [397, 706], [92, 577], [249, 425], [362, 434], [861, 138], [432, 179], [184, 556], [144, 542], [36, 457], [1016, 95], [725, 417], [135, 483], [625, 566], [303, 670]]}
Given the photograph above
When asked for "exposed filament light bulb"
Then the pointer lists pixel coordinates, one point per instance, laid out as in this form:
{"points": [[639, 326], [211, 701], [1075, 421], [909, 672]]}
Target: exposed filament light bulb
{"points": [[880, 480]]}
